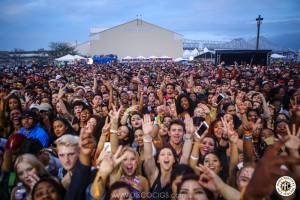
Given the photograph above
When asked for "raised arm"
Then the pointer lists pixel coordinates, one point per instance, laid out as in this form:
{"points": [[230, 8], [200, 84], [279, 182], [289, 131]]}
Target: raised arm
{"points": [[188, 140], [61, 103], [149, 164], [211, 181], [233, 140], [105, 133], [82, 171], [194, 158], [95, 86], [110, 90], [107, 163], [114, 116]]}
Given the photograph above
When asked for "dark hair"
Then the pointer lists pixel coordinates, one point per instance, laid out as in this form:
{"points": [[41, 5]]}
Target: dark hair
{"points": [[118, 185], [253, 110], [194, 177], [179, 170], [158, 152], [32, 146], [224, 171], [134, 113], [191, 107], [130, 137], [13, 96], [59, 189], [178, 122], [226, 106], [69, 129], [171, 85]]}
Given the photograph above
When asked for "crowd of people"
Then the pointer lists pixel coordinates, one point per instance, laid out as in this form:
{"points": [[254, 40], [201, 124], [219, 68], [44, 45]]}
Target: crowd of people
{"points": [[149, 131]]}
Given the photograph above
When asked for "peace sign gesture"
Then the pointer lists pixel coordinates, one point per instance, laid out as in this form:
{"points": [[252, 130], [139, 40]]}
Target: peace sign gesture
{"points": [[229, 130], [106, 126], [61, 91], [115, 114]]}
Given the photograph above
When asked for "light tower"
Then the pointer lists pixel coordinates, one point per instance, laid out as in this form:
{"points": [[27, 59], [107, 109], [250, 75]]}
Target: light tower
{"points": [[259, 22]]}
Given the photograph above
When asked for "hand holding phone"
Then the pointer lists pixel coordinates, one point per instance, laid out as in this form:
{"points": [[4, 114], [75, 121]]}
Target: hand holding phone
{"points": [[202, 128], [220, 98]]}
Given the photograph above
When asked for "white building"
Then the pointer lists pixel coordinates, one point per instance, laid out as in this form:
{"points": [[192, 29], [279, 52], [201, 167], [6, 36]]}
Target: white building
{"points": [[134, 38]]}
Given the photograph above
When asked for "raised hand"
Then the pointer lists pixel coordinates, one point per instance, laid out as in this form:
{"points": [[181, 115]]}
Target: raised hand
{"points": [[209, 179], [34, 179], [106, 127], [189, 124], [107, 84], [147, 125], [87, 141], [61, 92], [293, 142], [115, 114], [67, 179], [173, 111], [107, 162], [229, 131], [268, 170]]}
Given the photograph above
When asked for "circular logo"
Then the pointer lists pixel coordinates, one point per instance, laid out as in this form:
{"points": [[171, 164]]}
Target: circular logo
{"points": [[285, 186]]}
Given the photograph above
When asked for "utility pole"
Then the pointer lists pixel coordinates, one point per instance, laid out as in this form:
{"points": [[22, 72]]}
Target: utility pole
{"points": [[259, 22]]}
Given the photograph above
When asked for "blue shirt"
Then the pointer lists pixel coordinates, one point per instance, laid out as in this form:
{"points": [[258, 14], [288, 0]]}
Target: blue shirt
{"points": [[36, 133]]}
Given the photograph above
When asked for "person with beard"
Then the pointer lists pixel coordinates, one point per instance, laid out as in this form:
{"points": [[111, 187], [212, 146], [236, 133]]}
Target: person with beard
{"points": [[31, 128]]}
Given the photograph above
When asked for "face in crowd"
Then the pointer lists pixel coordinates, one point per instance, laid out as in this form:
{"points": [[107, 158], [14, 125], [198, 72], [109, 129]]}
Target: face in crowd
{"points": [[68, 156], [176, 133]]}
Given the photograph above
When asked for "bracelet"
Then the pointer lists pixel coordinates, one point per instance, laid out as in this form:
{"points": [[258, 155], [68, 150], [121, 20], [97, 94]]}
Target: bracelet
{"points": [[147, 139], [113, 131], [194, 158], [247, 137]]}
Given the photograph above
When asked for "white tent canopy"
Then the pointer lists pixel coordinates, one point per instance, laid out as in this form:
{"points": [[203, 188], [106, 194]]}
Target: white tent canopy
{"points": [[275, 55], [165, 57], [77, 57], [194, 53], [127, 58], [180, 59], [153, 57], [66, 58], [140, 57]]}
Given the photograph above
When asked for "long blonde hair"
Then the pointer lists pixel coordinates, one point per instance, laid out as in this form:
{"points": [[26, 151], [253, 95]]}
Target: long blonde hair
{"points": [[138, 170], [34, 162]]}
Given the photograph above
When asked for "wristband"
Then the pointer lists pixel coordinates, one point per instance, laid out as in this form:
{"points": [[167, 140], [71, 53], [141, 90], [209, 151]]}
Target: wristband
{"points": [[113, 131], [194, 158], [247, 137]]}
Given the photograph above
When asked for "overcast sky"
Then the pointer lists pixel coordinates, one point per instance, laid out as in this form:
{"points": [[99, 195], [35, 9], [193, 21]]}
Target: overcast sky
{"points": [[33, 24]]}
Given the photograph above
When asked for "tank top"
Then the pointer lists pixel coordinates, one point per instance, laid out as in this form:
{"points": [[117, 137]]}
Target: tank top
{"points": [[159, 192]]}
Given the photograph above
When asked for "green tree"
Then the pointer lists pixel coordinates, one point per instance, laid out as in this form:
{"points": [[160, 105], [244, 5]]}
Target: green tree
{"points": [[59, 49]]}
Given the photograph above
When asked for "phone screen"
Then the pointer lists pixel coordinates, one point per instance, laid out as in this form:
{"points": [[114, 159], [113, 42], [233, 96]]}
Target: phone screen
{"points": [[107, 146], [203, 127], [220, 98]]}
